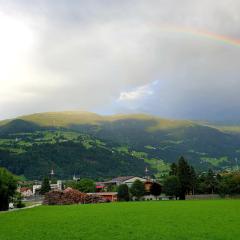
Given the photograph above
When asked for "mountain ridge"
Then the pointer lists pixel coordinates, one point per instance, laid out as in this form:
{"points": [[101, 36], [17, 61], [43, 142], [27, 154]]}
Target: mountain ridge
{"points": [[63, 118]]}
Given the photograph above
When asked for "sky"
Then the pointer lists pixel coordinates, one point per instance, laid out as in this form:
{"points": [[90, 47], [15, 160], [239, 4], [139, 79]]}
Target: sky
{"points": [[171, 58]]}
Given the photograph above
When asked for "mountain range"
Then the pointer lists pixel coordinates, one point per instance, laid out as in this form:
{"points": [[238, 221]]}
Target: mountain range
{"points": [[100, 147]]}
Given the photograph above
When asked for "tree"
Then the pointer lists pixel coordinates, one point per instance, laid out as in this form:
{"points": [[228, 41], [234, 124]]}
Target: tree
{"points": [[172, 186], [45, 186], [173, 169], [18, 200], [123, 192], [156, 189], [210, 181], [234, 183], [193, 179], [137, 189], [86, 185], [184, 176], [223, 188], [112, 188], [8, 186]]}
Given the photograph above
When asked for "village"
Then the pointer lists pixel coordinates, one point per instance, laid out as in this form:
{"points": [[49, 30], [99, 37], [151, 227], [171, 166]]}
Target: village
{"points": [[106, 190]]}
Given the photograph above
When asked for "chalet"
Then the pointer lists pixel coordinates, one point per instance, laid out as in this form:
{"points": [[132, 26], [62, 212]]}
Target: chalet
{"points": [[129, 180], [25, 191]]}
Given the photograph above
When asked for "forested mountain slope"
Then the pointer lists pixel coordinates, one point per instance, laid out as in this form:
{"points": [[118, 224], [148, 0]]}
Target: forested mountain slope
{"points": [[103, 146]]}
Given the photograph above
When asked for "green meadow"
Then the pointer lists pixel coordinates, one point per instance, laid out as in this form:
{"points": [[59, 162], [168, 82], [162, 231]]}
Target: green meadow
{"points": [[168, 220]]}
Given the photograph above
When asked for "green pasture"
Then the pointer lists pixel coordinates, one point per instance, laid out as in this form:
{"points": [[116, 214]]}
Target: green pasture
{"points": [[168, 220]]}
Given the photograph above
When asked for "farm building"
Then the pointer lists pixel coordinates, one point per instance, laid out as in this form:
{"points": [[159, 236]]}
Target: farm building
{"points": [[109, 196]]}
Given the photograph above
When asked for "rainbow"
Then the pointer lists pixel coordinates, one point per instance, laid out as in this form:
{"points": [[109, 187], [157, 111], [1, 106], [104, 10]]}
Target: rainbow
{"points": [[201, 33]]}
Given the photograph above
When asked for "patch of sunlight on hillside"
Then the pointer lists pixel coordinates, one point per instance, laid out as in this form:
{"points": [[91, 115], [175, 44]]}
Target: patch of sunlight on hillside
{"points": [[3, 122], [66, 118], [164, 124], [62, 119], [215, 161]]}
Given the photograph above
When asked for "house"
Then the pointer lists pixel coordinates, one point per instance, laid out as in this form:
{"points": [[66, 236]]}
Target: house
{"points": [[25, 191], [115, 182], [148, 184], [54, 186], [100, 186], [57, 186], [36, 188], [129, 180]]}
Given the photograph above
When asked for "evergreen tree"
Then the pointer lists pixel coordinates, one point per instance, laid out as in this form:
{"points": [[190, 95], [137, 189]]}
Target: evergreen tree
{"points": [[193, 179], [173, 169], [211, 181], [123, 192], [8, 186], [184, 176], [138, 189], [156, 189], [45, 186]]}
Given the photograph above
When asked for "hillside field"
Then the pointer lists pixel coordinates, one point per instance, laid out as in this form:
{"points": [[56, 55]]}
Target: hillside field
{"points": [[171, 220]]}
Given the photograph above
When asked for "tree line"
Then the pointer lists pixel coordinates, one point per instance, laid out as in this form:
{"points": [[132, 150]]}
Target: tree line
{"points": [[183, 180]]}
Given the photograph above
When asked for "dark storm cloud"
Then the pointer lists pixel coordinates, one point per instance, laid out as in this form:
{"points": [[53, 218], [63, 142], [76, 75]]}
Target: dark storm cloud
{"points": [[107, 55]]}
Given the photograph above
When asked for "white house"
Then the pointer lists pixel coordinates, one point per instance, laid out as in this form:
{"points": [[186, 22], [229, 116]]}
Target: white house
{"points": [[57, 186], [36, 188], [54, 186]]}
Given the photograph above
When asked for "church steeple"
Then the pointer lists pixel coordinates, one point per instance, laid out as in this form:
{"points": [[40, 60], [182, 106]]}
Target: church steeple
{"points": [[146, 173], [52, 173]]}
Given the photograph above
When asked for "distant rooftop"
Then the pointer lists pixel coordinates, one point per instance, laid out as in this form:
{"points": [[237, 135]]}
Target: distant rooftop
{"points": [[121, 179]]}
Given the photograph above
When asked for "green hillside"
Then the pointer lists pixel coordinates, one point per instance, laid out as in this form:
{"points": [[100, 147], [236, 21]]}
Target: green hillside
{"points": [[104, 146], [69, 118], [62, 119]]}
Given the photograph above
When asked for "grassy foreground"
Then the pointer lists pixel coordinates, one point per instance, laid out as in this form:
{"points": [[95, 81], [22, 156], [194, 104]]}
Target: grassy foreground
{"points": [[180, 220]]}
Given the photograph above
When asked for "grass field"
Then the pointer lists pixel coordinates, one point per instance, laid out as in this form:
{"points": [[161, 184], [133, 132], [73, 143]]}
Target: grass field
{"points": [[180, 220]]}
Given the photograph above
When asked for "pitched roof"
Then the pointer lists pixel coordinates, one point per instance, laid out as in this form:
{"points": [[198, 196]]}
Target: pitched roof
{"points": [[121, 179], [24, 189], [104, 193]]}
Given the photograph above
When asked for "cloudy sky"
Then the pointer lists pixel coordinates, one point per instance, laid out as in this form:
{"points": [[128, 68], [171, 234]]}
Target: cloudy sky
{"points": [[175, 59]]}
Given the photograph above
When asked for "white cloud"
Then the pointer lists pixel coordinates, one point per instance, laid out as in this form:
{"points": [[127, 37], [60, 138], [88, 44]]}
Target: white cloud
{"points": [[138, 93]]}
